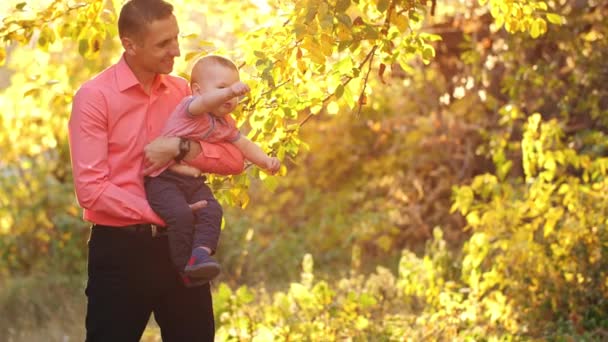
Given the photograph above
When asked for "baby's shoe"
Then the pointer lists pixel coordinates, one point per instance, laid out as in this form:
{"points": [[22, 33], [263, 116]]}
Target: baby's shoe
{"points": [[201, 266], [192, 282]]}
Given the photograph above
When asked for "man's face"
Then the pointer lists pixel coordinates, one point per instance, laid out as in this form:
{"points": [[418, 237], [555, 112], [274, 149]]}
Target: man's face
{"points": [[155, 50]]}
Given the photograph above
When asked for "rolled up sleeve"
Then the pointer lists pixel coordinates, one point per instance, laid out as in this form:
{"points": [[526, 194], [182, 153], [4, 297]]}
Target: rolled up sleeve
{"points": [[219, 158]]}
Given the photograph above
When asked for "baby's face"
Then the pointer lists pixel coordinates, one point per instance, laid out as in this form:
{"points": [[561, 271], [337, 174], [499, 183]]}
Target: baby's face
{"points": [[217, 76]]}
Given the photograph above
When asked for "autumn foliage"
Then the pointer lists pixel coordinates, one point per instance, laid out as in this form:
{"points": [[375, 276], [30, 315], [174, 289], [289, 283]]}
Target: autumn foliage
{"points": [[445, 162]]}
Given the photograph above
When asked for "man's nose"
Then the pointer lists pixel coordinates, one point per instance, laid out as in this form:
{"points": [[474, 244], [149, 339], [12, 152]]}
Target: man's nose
{"points": [[175, 50]]}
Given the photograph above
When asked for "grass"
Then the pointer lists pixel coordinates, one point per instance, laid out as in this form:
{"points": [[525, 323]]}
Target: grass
{"points": [[48, 308], [42, 308]]}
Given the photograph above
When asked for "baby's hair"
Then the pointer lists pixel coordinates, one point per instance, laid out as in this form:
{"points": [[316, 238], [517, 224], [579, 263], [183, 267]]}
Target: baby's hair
{"points": [[223, 61], [212, 59]]}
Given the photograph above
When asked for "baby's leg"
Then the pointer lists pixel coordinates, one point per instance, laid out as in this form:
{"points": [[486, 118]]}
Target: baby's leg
{"points": [[169, 202], [207, 228]]}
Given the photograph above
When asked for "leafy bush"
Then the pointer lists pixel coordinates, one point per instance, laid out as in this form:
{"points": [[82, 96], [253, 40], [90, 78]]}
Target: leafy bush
{"points": [[539, 244], [425, 300]]}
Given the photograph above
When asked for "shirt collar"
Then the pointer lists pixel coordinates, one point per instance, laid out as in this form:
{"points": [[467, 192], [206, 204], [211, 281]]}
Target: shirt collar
{"points": [[126, 79], [124, 75]]}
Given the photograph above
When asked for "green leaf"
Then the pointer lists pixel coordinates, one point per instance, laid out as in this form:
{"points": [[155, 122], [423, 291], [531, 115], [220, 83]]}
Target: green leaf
{"points": [[428, 53], [259, 54], [32, 92], [382, 5], [270, 182], [83, 46], [244, 295], [311, 14], [339, 91], [430, 37], [300, 30], [223, 291], [345, 19], [342, 5], [345, 66]]}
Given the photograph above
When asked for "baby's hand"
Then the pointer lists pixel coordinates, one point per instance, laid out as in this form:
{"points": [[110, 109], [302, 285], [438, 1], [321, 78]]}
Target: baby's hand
{"points": [[239, 88], [273, 165]]}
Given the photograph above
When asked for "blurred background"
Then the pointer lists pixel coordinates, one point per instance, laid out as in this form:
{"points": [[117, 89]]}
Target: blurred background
{"points": [[444, 180]]}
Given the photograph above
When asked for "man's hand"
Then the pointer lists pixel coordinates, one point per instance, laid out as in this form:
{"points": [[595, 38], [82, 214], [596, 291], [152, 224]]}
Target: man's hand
{"points": [[273, 165], [198, 205], [159, 152], [239, 88]]}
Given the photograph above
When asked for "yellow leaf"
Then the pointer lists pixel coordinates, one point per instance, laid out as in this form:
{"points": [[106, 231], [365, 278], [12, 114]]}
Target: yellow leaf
{"points": [[555, 18], [535, 30], [473, 218], [2, 56], [498, 22], [542, 25], [592, 36], [361, 323], [327, 44], [542, 5], [343, 33], [401, 22], [512, 25]]}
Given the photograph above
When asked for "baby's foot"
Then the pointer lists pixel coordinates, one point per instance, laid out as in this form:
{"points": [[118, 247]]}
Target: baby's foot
{"points": [[201, 265]]}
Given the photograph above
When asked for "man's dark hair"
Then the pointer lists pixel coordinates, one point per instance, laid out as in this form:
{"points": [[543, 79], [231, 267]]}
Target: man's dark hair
{"points": [[136, 14]]}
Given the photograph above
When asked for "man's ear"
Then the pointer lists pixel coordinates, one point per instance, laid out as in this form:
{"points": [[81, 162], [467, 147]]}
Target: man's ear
{"points": [[129, 45]]}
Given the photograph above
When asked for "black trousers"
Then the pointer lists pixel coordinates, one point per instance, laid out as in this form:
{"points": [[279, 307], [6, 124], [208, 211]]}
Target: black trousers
{"points": [[169, 195], [130, 277]]}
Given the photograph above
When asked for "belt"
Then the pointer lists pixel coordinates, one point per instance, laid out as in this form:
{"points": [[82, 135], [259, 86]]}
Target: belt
{"points": [[144, 229]]}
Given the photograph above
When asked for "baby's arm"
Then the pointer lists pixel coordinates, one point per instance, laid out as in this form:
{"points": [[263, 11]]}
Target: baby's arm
{"points": [[254, 154], [212, 99]]}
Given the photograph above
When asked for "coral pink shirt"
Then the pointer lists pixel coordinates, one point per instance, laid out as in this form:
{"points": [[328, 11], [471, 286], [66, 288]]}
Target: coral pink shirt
{"points": [[112, 121]]}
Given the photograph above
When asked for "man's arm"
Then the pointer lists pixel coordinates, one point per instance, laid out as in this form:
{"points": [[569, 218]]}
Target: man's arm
{"points": [[219, 158], [89, 153]]}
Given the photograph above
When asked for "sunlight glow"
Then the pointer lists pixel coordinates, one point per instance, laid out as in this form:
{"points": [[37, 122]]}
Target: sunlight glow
{"points": [[262, 5], [9, 7]]}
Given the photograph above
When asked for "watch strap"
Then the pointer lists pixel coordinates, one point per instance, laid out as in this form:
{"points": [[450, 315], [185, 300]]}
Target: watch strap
{"points": [[184, 148]]}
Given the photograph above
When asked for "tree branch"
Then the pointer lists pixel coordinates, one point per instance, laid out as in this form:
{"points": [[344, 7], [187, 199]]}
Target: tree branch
{"points": [[361, 100]]}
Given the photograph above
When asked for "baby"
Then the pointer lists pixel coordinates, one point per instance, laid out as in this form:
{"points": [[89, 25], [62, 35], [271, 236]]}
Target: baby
{"points": [[193, 236]]}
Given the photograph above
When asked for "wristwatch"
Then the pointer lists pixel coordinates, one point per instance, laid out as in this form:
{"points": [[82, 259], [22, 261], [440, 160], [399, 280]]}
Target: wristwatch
{"points": [[184, 148]]}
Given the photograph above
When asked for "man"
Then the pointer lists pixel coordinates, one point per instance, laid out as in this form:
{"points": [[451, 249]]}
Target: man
{"points": [[115, 119]]}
